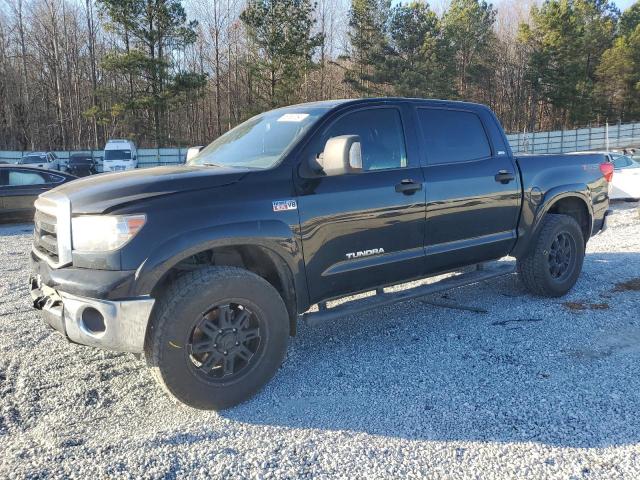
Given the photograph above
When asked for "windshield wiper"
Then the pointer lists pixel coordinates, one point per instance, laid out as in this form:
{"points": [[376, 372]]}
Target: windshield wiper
{"points": [[211, 164]]}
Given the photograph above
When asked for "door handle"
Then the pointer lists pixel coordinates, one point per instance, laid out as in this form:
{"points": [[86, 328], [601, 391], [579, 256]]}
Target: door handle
{"points": [[504, 176], [408, 186]]}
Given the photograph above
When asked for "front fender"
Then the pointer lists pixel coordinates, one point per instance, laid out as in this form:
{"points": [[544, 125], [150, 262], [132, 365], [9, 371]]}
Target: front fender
{"points": [[273, 235], [536, 205]]}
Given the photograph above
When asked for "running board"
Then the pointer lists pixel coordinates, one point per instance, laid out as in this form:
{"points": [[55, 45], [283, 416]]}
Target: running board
{"points": [[381, 299]]}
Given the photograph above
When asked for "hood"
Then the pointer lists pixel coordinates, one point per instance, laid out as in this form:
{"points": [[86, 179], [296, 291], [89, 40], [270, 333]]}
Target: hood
{"points": [[98, 193]]}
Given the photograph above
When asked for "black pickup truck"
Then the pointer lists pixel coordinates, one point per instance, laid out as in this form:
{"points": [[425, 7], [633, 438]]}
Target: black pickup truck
{"points": [[206, 268]]}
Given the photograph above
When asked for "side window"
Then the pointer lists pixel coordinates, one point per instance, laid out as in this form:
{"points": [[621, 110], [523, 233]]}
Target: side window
{"points": [[381, 137], [53, 178], [453, 136], [19, 178]]}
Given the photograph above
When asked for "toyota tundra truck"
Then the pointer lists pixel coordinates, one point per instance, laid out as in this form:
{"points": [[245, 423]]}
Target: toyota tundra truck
{"points": [[205, 269]]}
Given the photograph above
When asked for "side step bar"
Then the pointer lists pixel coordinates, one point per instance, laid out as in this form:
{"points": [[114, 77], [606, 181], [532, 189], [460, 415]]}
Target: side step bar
{"points": [[483, 272]]}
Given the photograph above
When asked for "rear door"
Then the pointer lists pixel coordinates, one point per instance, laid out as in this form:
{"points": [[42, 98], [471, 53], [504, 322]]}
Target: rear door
{"points": [[473, 188], [365, 229]]}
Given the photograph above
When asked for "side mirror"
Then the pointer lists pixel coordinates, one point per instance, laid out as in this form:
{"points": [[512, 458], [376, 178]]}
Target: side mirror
{"points": [[341, 155]]}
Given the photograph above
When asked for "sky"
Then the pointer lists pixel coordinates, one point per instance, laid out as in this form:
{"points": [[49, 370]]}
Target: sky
{"points": [[624, 4], [441, 4], [621, 4]]}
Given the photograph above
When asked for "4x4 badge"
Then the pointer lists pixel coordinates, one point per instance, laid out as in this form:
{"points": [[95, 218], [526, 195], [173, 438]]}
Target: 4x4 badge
{"points": [[282, 205]]}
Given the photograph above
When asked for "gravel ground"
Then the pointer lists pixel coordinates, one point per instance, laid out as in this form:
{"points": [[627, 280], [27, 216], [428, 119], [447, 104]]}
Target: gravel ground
{"points": [[533, 388]]}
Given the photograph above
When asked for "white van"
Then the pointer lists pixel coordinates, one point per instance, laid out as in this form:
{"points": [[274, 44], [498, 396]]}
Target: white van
{"points": [[119, 155]]}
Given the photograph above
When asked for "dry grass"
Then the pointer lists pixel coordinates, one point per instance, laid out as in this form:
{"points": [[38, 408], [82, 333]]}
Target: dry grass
{"points": [[632, 285], [581, 306]]}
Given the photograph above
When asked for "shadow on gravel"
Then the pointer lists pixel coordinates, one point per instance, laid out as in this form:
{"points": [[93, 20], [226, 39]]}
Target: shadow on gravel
{"points": [[530, 370], [15, 229]]}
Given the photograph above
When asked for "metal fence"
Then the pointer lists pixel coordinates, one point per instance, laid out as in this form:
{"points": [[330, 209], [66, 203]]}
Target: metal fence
{"points": [[147, 157], [559, 141], [606, 137]]}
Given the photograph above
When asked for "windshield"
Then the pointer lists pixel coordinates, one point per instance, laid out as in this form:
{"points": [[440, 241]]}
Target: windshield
{"points": [[33, 159], [117, 154], [261, 141], [80, 159]]}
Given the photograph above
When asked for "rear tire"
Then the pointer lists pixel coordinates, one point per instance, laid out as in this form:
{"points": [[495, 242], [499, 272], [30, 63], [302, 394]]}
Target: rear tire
{"points": [[554, 263], [217, 336]]}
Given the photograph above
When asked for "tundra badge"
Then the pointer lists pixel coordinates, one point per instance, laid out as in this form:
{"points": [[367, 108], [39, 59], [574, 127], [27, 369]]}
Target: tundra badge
{"points": [[365, 253]]}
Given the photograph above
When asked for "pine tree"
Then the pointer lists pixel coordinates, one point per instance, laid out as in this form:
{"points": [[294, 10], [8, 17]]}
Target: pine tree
{"points": [[469, 36], [151, 32], [566, 40], [619, 70], [368, 27], [414, 63], [280, 32]]}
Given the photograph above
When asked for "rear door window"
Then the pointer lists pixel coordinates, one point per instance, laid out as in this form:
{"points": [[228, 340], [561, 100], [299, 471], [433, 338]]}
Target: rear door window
{"points": [[18, 178], [453, 136]]}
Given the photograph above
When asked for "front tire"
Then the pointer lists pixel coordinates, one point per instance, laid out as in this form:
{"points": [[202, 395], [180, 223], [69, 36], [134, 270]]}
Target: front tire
{"points": [[554, 263], [217, 336]]}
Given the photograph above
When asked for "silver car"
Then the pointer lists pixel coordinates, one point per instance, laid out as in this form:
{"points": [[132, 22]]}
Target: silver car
{"points": [[47, 160]]}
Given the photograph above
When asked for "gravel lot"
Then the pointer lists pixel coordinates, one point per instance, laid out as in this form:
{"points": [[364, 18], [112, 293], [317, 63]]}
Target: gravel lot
{"points": [[533, 388]]}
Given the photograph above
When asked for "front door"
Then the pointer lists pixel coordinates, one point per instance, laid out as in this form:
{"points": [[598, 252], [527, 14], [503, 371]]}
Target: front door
{"points": [[473, 189], [364, 229]]}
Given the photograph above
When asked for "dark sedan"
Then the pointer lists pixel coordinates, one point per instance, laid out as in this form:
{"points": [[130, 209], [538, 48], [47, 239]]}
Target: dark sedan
{"points": [[20, 186], [81, 164]]}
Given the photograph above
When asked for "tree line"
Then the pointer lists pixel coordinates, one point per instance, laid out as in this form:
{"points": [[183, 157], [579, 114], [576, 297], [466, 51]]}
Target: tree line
{"points": [[74, 73]]}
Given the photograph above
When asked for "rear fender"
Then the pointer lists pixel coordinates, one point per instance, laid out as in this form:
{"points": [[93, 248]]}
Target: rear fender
{"points": [[536, 205]]}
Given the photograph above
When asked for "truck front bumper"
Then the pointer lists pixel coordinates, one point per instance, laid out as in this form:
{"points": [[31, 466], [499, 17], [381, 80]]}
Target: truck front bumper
{"points": [[119, 325]]}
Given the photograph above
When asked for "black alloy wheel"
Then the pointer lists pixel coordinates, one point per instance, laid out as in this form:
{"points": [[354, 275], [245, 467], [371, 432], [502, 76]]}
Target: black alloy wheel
{"points": [[224, 342], [562, 256]]}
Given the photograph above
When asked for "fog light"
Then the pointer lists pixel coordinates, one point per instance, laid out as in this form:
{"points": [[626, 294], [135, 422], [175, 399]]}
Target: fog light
{"points": [[93, 321]]}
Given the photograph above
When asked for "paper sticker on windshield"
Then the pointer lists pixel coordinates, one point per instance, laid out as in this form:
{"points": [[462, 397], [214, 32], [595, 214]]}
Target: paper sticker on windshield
{"points": [[293, 117], [283, 205]]}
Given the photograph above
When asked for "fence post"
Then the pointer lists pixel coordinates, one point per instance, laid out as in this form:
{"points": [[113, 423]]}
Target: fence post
{"points": [[618, 138], [548, 140]]}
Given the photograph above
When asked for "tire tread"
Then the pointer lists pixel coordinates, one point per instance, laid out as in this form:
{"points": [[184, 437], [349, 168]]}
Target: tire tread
{"points": [[530, 269], [176, 293]]}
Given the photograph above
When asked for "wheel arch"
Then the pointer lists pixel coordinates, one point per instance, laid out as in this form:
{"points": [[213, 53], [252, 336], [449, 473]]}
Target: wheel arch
{"points": [[572, 200], [273, 255]]}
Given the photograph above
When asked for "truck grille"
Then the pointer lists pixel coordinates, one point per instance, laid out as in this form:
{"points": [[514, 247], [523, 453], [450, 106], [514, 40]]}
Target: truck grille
{"points": [[46, 235], [52, 229]]}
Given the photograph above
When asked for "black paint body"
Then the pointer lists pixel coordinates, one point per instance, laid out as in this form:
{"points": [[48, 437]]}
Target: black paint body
{"points": [[462, 215]]}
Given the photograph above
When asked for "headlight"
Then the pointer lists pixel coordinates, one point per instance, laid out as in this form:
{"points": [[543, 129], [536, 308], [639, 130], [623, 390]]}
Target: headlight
{"points": [[104, 233]]}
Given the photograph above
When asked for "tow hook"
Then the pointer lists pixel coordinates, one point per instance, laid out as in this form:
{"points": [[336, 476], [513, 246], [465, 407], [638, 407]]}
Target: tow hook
{"points": [[40, 302]]}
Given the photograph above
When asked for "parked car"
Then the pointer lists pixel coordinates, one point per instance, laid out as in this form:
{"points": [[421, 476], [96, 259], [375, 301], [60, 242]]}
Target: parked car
{"points": [[119, 155], [47, 160], [626, 178], [206, 268], [81, 164], [20, 186]]}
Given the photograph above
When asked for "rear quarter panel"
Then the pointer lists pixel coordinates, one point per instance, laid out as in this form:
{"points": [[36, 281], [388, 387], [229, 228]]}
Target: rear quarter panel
{"points": [[549, 178]]}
